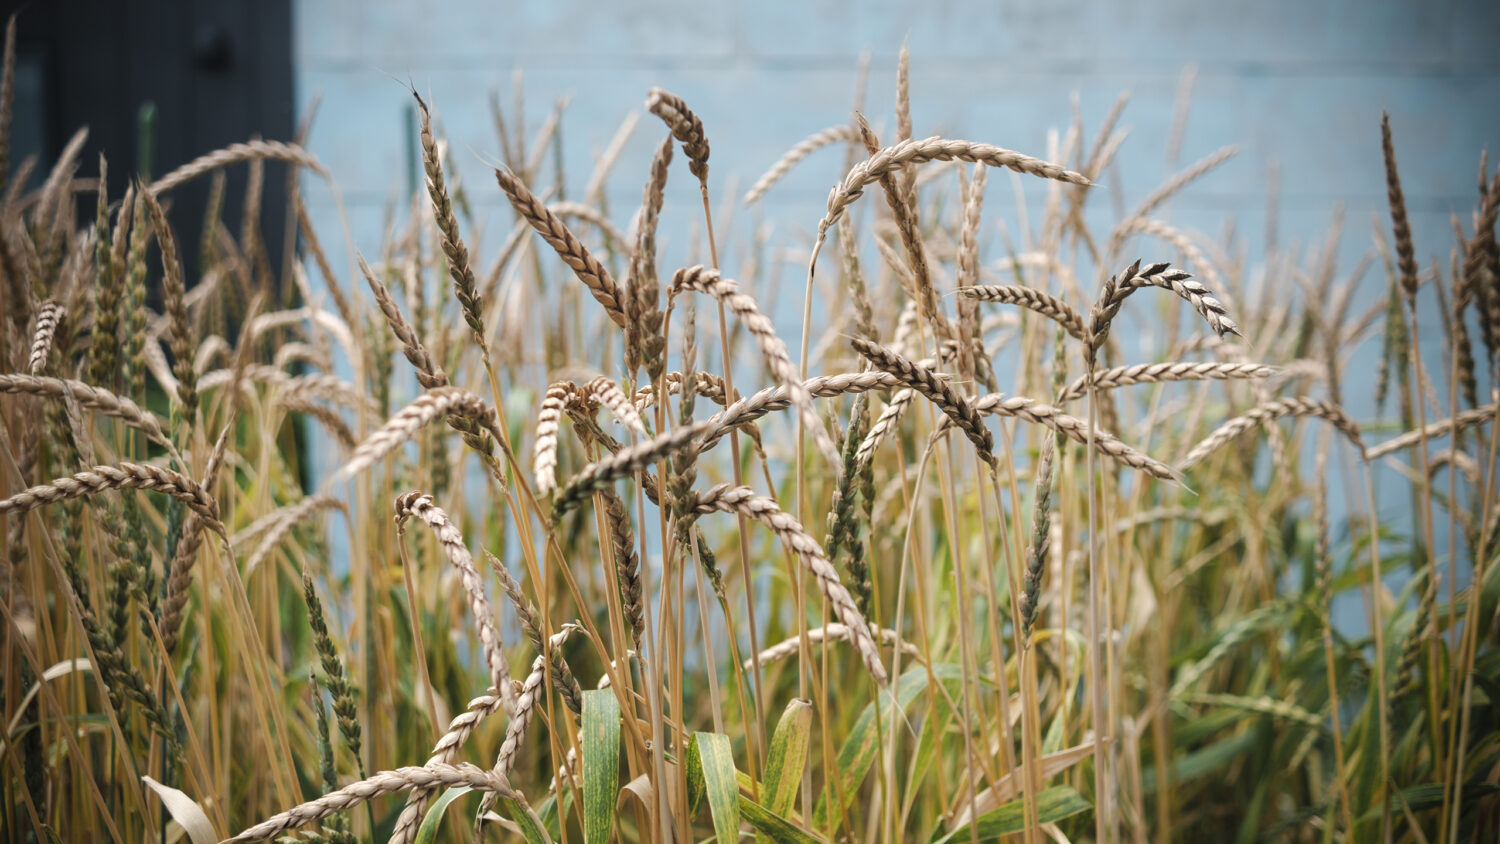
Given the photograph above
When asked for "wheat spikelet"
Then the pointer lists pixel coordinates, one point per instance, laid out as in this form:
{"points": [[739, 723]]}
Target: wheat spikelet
{"points": [[831, 632], [588, 269], [441, 401], [1038, 547], [280, 522], [459, 269], [1152, 373], [544, 451], [940, 393], [1269, 412], [329, 418], [1406, 260], [745, 411], [120, 476], [433, 776], [1162, 275], [644, 340], [234, 154], [1074, 429], [47, 318], [626, 461], [909, 153], [609, 394], [443, 753], [807, 146], [525, 711], [421, 506], [627, 565], [93, 398], [705, 384], [701, 280], [685, 126], [429, 374], [915, 272], [1032, 299], [744, 501], [883, 425], [1167, 190], [174, 299], [1465, 419]]}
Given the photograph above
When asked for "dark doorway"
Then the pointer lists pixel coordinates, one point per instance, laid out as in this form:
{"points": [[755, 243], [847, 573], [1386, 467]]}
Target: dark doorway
{"points": [[216, 73]]}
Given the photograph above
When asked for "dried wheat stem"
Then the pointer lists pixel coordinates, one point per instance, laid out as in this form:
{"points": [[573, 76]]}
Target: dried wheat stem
{"points": [[1032, 299], [1152, 373], [432, 776], [701, 280], [744, 501], [1269, 412], [120, 476], [588, 269], [789, 159], [421, 506]]}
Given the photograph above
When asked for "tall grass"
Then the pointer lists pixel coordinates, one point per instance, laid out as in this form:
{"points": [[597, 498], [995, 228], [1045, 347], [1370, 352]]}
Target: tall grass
{"points": [[1060, 563]]}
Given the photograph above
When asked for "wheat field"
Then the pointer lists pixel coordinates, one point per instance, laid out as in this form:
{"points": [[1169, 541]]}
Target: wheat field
{"points": [[1030, 536]]}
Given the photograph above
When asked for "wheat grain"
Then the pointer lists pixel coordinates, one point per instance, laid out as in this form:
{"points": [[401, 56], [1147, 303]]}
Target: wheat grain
{"points": [[234, 154], [1465, 419], [627, 461], [419, 414], [685, 126], [544, 451]]}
